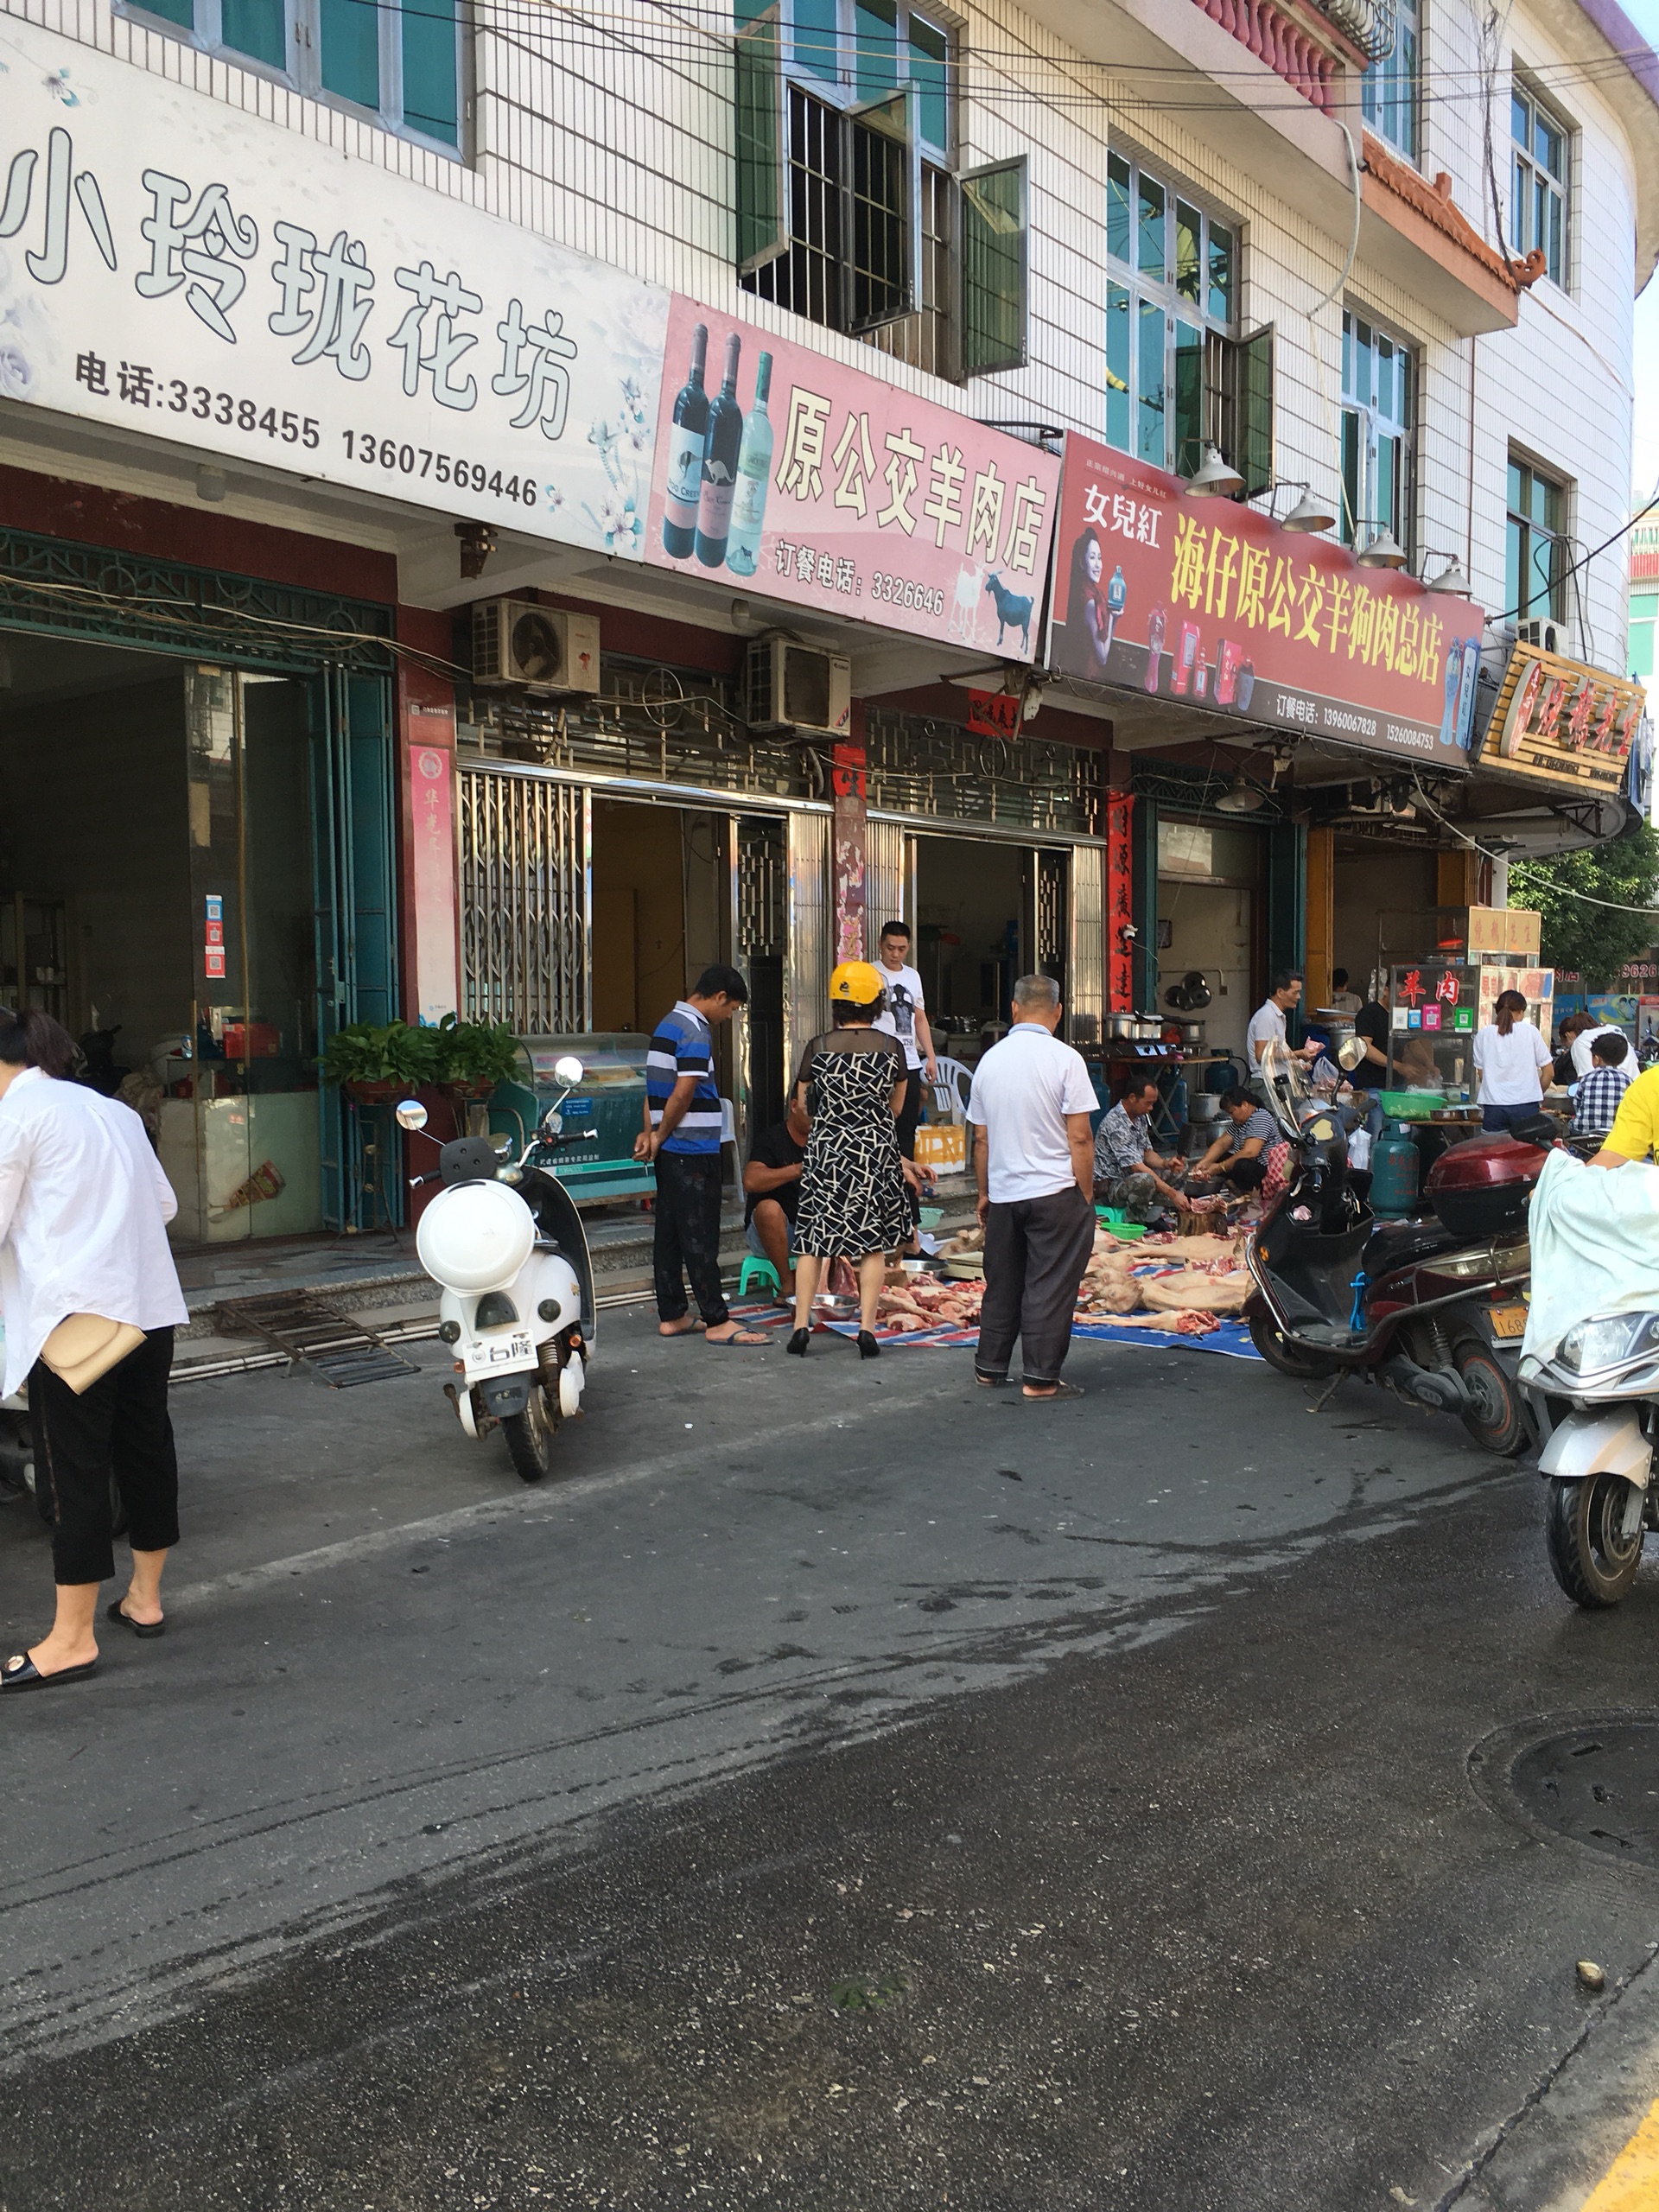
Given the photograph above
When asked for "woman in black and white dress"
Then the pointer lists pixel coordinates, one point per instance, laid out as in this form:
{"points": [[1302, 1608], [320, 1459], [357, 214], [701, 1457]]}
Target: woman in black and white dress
{"points": [[853, 1204]]}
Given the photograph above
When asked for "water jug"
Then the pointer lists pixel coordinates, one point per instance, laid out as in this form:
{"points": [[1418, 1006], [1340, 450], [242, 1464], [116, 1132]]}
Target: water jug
{"points": [[1393, 1174]]}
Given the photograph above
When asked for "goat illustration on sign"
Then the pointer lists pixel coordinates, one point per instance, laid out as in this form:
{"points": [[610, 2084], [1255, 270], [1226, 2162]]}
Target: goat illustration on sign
{"points": [[1012, 613]]}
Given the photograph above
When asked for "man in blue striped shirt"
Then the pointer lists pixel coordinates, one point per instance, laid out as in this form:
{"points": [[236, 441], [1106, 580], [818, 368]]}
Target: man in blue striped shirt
{"points": [[681, 1137]]}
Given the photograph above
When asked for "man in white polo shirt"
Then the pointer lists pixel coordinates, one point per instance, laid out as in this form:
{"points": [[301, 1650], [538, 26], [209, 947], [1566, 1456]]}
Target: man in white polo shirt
{"points": [[1034, 1159]]}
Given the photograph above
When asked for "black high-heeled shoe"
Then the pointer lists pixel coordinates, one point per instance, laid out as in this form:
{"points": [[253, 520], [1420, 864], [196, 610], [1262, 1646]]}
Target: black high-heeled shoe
{"points": [[868, 1347], [799, 1343]]}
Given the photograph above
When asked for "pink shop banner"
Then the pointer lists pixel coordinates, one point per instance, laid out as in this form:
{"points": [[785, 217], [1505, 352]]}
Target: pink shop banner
{"points": [[782, 471]]}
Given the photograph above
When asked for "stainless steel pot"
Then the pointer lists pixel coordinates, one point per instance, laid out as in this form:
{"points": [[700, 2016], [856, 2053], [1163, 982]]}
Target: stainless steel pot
{"points": [[1202, 1106], [1192, 1032], [1118, 1025]]}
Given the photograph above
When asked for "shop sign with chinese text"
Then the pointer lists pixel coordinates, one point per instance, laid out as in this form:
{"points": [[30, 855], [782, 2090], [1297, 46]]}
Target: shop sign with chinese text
{"points": [[1562, 722], [177, 266], [842, 494], [1208, 603]]}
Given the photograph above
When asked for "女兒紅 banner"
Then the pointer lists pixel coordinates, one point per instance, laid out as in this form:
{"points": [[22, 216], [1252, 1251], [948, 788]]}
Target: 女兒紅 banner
{"points": [[783, 471], [1208, 603]]}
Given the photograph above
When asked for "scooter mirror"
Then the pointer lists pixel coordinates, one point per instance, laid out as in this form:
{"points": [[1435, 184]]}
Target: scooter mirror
{"points": [[568, 1069], [411, 1115], [1350, 1053]]}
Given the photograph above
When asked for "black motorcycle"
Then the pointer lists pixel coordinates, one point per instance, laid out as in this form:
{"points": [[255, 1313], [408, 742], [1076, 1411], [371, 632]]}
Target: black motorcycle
{"points": [[1433, 1309]]}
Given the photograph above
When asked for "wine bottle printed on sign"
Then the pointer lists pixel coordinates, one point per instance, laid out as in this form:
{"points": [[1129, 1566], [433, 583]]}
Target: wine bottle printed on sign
{"points": [[720, 451], [753, 475], [683, 486]]}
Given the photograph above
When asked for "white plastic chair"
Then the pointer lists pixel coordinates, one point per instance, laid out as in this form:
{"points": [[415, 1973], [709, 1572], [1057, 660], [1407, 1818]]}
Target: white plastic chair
{"points": [[954, 1088]]}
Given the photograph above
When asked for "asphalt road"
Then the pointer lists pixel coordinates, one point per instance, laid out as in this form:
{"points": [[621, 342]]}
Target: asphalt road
{"points": [[839, 1788]]}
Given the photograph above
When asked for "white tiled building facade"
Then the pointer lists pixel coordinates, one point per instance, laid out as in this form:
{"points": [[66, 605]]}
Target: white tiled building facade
{"points": [[611, 129]]}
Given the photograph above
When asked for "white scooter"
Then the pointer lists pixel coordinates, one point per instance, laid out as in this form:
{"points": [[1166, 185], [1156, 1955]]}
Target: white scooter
{"points": [[505, 1243], [1596, 1401]]}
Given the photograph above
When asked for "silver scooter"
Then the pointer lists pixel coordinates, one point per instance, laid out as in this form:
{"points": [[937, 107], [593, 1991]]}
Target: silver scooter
{"points": [[1596, 1401], [503, 1241]]}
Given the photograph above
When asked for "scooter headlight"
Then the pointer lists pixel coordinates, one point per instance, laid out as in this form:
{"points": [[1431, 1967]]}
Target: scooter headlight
{"points": [[1610, 1341]]}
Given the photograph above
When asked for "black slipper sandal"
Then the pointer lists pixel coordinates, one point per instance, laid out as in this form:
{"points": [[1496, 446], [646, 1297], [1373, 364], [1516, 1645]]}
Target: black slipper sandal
{"points": [[125, 1620], [991, 1381], [20, 1673], [1042, 1397]]}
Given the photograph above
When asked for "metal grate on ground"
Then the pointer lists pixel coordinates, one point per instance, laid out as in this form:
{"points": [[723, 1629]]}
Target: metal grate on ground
{"points": [[309, 1329]]}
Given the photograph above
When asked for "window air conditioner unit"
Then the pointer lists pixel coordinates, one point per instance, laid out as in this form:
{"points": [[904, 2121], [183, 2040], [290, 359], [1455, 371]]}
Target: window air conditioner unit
{"points": [[797, 687], [546, 648], [1547, 635]]}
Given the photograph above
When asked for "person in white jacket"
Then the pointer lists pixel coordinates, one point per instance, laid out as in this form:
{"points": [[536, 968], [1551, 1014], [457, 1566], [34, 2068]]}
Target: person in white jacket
{"points": [[84, 1208]]}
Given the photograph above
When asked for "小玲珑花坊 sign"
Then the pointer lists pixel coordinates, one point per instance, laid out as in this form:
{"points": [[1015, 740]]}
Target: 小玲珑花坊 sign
{"points": [[1207, 603], [176, 266], [783, 471], [1561, 721]]}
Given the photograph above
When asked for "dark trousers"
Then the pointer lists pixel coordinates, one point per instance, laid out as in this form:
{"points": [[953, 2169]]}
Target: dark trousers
{"points": [[1036, 1250], [910, 1112], [1494, 1119], [687, 1240], [120, 1428]]}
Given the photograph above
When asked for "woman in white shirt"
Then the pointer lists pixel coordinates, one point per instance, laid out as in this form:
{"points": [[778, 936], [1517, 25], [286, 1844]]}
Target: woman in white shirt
{"points": [[84, 1207], [1510, 1057]]}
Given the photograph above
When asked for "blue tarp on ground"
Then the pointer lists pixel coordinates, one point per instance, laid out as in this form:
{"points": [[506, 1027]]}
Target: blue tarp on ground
{"points": [[1232, 1338]]}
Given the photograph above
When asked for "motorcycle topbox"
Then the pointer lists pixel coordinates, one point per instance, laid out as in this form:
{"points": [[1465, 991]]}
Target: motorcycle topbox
{"points": [[1480, 1187]]}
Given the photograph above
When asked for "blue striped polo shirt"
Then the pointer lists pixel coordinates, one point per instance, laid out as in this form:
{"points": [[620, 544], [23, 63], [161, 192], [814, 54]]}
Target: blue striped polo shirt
{"points": [[684, 1044]]}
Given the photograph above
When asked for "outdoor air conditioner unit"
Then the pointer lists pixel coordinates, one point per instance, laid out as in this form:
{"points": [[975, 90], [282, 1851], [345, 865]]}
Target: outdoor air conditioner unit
{"points": [[797, 687], [1547, 635], [546, 648]]}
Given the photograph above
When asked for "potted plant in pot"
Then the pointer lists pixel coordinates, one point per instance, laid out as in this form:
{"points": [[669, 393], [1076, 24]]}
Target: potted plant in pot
{"points": [[374, 1063], [473, 1057]]}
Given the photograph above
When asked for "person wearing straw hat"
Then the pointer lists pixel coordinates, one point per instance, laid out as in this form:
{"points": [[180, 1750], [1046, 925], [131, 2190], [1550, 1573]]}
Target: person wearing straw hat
{"points": [[91, 1298]]}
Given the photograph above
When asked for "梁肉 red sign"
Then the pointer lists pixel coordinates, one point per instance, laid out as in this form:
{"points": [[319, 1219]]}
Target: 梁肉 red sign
{"points": [[1208, 603]]}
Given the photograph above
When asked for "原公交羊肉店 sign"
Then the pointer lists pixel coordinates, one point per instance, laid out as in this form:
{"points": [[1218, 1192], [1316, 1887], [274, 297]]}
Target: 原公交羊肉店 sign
{"points": [[177, 266], [1206, 603], [804, 481]]}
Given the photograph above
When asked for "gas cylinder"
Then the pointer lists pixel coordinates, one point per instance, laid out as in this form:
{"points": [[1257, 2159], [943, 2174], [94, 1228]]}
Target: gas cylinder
{"points": [[1394, 1174]]}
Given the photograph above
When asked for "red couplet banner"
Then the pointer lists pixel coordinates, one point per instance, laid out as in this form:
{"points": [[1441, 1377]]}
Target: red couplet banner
{"points": [[782, 472], [1207, 602]]}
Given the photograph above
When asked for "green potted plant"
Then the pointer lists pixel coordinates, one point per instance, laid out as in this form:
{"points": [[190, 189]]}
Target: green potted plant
{"points": [[375, 1062], [473, 1057]]}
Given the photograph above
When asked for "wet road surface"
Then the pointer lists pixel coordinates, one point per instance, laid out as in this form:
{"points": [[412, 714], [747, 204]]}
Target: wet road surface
{"points": [[837, 1788]]}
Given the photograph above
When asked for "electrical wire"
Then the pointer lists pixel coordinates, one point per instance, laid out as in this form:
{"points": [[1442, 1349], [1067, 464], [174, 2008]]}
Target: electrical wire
{"points": [[1515, 613]]}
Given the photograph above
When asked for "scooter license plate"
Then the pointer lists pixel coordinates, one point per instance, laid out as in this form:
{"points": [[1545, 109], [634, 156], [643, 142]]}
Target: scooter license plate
{"points": [[501, 1355], [1509, 1320]]}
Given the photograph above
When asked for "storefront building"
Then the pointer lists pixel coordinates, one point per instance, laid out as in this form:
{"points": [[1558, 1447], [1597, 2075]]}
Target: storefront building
{"points": [[550, 510]]}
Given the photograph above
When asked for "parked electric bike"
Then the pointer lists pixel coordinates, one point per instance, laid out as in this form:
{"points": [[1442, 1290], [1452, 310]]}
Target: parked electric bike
{"points": [[503, 1241], [1431, 1309]]}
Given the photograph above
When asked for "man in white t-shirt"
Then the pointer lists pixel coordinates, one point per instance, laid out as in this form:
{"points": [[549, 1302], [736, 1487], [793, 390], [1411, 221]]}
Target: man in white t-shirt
{"points": [[1034, 1161], [904, 1016], [1267, 1022]]}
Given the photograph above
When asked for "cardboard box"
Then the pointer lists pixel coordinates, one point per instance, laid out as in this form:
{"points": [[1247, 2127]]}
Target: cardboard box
{"points": [[944, 1146]]}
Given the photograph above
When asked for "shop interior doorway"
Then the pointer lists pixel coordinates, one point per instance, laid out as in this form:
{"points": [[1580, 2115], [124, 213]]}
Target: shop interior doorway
{"points": [[661, 907], [972, 936], [1208, 918], [195, 874]]}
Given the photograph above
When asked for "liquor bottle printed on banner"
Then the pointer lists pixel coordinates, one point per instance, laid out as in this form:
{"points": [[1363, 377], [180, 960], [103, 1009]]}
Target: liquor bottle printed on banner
{"points": [[720, 451], [753, 475], [682, 485]]}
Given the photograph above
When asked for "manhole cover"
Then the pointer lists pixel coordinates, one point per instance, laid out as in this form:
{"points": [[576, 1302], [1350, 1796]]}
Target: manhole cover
{"points": [[1599, 1785]]}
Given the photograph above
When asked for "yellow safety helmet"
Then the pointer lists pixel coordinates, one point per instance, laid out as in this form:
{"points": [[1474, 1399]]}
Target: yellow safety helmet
{"points": [[857, 983]]}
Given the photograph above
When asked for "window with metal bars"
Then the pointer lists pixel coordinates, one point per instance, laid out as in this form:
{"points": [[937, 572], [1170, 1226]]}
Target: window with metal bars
{"points": [[848, 210]]}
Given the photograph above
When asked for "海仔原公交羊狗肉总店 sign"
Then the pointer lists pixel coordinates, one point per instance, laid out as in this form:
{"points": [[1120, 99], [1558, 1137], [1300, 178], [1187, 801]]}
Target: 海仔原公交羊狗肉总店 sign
{"points": [[804, 480], [1206, 603], [175, 265]]}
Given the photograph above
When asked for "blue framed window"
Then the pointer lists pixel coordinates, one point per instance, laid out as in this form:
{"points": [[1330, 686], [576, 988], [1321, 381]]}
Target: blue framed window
{"points": [[405, 66]]}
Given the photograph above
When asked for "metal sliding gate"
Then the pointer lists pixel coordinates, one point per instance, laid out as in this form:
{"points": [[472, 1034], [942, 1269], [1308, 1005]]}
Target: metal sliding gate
{"points": [[527, 901]]}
